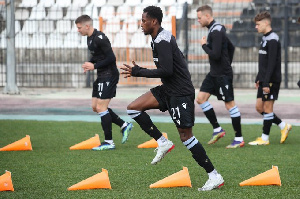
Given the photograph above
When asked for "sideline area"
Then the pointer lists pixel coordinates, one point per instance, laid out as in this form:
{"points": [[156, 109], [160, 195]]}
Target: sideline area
{"points": [[48, 104]]}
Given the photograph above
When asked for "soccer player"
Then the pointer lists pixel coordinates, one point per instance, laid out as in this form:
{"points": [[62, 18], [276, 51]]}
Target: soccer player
{"points": [[268, 79], [104, 88], [176, 94], [218, 81]]}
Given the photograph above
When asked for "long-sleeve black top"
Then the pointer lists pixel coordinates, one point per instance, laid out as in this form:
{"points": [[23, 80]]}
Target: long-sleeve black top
{"points": [[220, 50], [269, 60], [171, 66], [103, 57]]}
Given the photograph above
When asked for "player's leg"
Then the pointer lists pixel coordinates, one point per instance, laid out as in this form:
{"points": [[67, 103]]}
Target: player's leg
{"points": [[153, 99], [106, 123], [282, 125], [125, 126], [208, 88], [182, 111], [236, 124], [101, 98], [136, 110], [267, 123]]}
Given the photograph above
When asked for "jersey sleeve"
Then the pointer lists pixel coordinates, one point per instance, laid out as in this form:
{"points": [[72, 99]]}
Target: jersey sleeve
{"points": [[272, 54], [215, 51], [104, 45], [165, 61]]}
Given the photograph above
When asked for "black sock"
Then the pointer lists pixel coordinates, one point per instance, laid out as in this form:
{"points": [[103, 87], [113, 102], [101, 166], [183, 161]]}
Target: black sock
{"points": [[199, 154], [211, 116], [106, 122], [268, 119], [276, 120], [236, 120], [147, 125], [236, 123], [115, 118]]}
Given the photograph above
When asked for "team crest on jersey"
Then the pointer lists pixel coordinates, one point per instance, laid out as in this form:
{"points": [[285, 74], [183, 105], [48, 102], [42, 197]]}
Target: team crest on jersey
{"points": [[226, 86], [184, 105], [100, 36], [264, 44]]}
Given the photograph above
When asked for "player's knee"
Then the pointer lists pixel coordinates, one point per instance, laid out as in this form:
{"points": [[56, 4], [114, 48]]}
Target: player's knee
{"points": [[94, 108], [185, 134], [200, 100], [132, 106]]}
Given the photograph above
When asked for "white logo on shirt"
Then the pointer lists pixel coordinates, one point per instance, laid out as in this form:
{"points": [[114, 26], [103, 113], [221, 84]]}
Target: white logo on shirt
{"points": [[155, 59], [264, 44], [262, 52], [107, 83], [184, 105], [100, 36]]}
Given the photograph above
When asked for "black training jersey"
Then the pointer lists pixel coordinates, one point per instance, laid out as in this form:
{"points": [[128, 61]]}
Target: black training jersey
{"points": [[103, 56], [171, 66], [269, 59], [220, 50]]}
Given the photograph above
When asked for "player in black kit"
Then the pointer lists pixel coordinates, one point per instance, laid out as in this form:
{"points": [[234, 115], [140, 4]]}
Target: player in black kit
{"points": [[218, 81], [268, 79], [176, 94], [104, 88]]}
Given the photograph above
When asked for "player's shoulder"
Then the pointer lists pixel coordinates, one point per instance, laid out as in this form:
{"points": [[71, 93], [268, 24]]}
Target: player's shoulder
{"points": [[272, 36], [100, 36], [164, 35]]}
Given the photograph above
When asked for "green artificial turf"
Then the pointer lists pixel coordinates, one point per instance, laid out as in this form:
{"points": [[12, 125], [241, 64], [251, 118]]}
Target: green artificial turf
{"points": [[48, 170]]}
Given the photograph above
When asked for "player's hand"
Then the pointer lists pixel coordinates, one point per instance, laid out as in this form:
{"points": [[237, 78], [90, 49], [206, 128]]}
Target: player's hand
{"points": [[87, 66], [127, 70], [257, 84], [266, 90], [203, 40]]}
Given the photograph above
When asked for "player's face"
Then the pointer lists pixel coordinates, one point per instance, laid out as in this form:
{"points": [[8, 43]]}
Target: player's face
{"points": [[202, 18], [147, 24], [261, 26], [82, 29]]}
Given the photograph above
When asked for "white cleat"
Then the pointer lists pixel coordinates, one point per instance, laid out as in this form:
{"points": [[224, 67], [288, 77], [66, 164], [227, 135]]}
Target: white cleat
{"points": [[161, 151], [213, 184]]}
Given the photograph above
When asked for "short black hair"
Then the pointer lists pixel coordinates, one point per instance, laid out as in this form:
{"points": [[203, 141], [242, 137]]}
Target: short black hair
{"points": [[83, 19], [154, 12]]}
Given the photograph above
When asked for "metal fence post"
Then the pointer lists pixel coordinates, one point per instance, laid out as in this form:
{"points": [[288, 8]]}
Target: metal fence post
{"points": [[286, 55], [11, 86]]}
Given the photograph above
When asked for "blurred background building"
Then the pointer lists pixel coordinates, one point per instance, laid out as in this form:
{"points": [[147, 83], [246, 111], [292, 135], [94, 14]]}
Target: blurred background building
{"points": [[49, 51]]}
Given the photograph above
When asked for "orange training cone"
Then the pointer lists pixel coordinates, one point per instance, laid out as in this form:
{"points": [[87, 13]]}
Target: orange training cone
{"points": [[270, 177], [87, 144], [6, 182], [151, 143], [98, 181], [23, 144], [179, 179]]}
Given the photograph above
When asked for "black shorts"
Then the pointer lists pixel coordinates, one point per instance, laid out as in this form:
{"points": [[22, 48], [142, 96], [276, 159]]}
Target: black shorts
{"points": [[273, 95], [105, 87], [181, 108], [218, 86]]}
